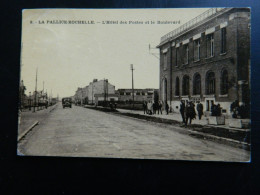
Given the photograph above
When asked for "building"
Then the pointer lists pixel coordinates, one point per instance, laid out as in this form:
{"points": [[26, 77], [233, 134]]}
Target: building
{"points": [[81, 96], [99, 87], [101, 98], [207, 60], [140, 95], [86, 95]]}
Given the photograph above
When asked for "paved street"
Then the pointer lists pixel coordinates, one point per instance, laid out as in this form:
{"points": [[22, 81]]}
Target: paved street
{"points": [[84, 132]]}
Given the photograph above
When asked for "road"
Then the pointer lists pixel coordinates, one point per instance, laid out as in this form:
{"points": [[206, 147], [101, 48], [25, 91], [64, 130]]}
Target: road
{"points": [[82, 132]]}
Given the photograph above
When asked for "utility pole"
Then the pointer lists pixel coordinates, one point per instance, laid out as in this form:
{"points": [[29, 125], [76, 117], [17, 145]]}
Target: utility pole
{"points": [[132, 68], [35, 93]]}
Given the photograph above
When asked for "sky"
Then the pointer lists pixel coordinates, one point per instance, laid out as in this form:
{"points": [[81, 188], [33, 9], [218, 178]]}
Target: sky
{"points": [[68, 56]]}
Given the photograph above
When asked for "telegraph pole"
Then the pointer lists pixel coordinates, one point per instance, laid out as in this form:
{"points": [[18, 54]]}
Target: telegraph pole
{"points": [[132, 68]]}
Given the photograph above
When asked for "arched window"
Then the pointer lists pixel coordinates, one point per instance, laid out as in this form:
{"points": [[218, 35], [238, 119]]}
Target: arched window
{"points": [[185, 85], [197, 84], [224, 82], [177, 86], [210, 83]]}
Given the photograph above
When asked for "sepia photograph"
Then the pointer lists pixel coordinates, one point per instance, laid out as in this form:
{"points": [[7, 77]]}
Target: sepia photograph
{"points": [[166, 84]]}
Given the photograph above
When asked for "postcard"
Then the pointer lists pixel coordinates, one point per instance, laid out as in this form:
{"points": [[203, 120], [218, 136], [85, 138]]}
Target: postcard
{"points": [[168, 84]]}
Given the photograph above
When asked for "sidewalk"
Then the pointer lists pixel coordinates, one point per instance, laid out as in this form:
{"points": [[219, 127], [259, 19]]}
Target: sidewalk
{"points": [[28, 118], [177, 117], [241, 137], [170, 116]]}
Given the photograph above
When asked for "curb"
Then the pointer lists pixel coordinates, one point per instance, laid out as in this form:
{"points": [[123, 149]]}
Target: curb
{"points": [[53, 108], [25, 132]]}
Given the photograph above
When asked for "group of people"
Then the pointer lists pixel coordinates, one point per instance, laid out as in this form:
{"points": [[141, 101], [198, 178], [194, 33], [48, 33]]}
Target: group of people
{"points": [[240, 111], [187, 109], [215, 110], [188, 112], [151, 107]]}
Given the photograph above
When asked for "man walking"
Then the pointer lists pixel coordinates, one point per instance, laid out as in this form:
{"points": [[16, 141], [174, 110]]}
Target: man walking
{"points": [[145, 107], [200, 110], [190, 113], [182, 109]]}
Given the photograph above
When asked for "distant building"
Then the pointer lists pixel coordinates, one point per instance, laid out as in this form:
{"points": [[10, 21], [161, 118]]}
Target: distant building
{"points": [[81, 96], [87, 94], [207, 60], [99, 87], [100, 98], [140, 95]]}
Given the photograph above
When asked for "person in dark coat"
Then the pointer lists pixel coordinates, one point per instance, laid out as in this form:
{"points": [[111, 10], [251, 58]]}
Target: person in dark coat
{"points": [[218, 110], [167, 108], [200, 110], [190, 113], [233, 108], [213, 109], [145, 107], [154, 108], [182, 110]]}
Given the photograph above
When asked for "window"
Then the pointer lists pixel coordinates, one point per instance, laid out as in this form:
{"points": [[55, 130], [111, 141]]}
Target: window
{"points": [[197, 50], [127, 93], [210, 83], [197, 84], [224, 83], [177, 87], [186, 54], [122, 93], [185, 85], [143, 93], [223, 40], [165, 61], [210, 45]]}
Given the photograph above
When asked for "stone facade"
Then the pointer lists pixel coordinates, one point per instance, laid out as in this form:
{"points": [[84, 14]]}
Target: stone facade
{"points": [[207, 60]]}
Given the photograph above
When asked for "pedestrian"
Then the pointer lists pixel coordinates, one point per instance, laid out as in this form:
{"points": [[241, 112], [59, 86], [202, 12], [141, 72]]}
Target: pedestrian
{"points": [[150, 107], [182, 110], [218, 110], [190, 113], [167, 108], [200, 110], [154, 108], [160, 107], [213, 109], [145, 107], [234, 107]]}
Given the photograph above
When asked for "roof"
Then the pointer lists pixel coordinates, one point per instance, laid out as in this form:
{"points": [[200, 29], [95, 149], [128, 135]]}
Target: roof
{"points": [[205, 16]]}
